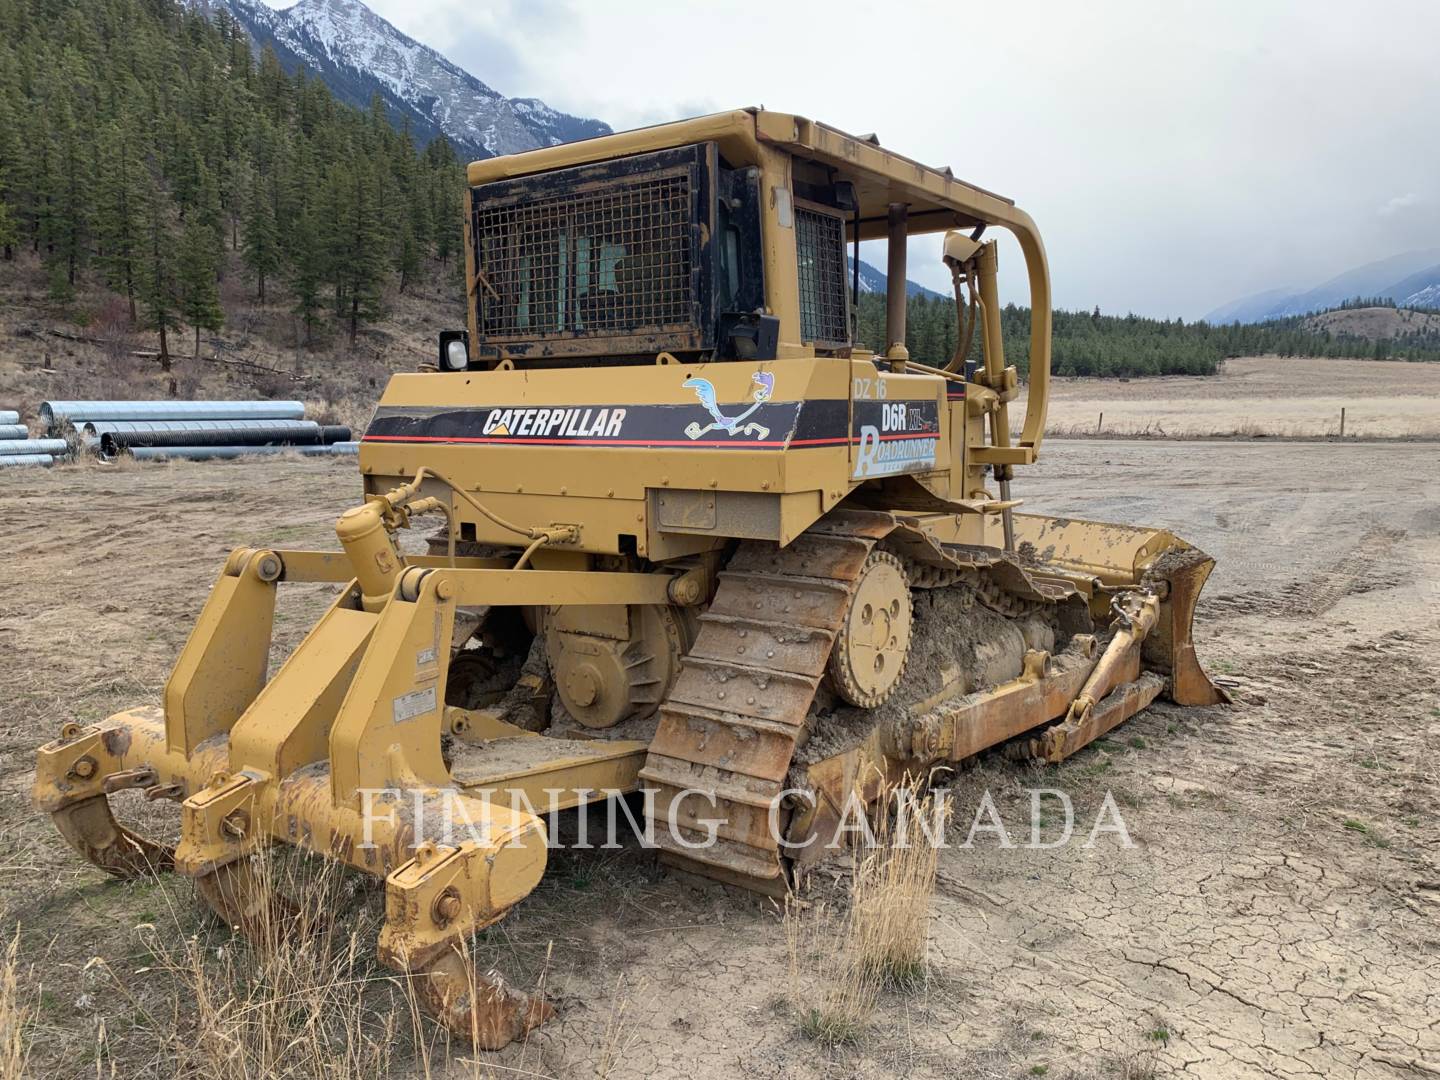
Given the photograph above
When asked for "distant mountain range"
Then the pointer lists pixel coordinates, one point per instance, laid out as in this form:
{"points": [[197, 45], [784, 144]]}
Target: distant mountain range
{"points": [[359, 54], [1410, 280]]}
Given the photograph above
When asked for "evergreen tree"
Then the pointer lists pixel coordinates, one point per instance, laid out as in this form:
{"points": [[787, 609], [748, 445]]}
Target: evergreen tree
{"points": [[360, 237], [196, 278], [12, 170], [157, 279], [118, 205], [262, 235], [9, 230], [68, 200], [307, 274]]}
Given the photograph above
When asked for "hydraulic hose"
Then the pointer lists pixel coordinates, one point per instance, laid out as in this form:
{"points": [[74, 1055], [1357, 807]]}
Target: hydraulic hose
{"points": [[543, 538], [509, 526], [538, 536], [966, 328]]}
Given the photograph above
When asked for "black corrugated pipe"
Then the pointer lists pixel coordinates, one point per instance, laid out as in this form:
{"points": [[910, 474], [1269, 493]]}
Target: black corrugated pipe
{"points": [[113, 442]]}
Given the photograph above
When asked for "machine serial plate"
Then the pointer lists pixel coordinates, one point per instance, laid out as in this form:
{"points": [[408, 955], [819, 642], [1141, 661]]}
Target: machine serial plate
{"points": [[417, 703]]}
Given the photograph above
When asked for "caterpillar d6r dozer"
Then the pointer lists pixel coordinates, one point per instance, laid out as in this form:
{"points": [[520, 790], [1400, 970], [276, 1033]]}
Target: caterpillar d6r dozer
{"points": [[696, 542]]}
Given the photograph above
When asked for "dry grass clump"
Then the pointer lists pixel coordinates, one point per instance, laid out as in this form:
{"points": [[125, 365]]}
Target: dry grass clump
{"points": [[830, 991], [299, 997], [893, 887], [621, 1033], [15, 1014], [841, 960]]}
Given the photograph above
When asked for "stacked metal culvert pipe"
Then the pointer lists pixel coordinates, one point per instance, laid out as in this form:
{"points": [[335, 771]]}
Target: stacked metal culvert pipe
{"points": [[18, 449], [194, 430]]}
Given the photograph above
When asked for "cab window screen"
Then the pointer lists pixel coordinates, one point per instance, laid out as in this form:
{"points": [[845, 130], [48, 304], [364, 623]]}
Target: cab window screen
{"points": [[626, 250], [824, 300]]}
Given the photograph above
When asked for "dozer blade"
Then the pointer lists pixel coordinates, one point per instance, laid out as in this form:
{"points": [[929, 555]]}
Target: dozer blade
{"points": [[1104, 556], [1170, 647]]}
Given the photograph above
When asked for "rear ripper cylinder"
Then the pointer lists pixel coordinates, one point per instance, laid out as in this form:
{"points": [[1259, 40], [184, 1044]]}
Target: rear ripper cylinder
{"points": [[372, 552]]}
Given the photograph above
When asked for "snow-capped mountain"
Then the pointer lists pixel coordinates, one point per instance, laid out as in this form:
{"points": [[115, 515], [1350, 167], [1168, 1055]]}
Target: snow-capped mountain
{"points": [[357, 53], [1411, 280], [1428, 297], [874, 281]]}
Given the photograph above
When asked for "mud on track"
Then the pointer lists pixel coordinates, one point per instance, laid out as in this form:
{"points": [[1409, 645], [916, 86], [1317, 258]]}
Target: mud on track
{"points": [[1279, 914]]}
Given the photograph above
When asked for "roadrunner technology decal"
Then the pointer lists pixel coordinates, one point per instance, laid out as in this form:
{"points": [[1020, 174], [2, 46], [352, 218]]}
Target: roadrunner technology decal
{"points": [[900, 437]]}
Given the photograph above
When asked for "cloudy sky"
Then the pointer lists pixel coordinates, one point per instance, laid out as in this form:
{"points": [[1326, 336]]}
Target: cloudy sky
{"points": [[1175, 154]]}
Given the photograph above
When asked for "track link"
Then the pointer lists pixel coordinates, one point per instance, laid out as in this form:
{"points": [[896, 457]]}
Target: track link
{"points": [[732, 721]]}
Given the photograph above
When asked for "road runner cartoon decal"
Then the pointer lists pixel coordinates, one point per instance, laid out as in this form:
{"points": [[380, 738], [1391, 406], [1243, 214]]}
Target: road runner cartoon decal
{"points": [[732, 425]]}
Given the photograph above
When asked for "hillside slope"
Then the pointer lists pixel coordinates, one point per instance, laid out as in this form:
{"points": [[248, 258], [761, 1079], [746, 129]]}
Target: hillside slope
{"points": [[1375, 323], [87, 347]]}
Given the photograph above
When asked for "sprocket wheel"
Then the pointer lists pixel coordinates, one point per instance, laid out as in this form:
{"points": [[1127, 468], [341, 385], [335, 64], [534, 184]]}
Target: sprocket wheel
{"points": [[873, 645]]}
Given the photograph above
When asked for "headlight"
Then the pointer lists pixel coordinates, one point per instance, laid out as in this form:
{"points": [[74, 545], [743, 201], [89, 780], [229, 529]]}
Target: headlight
{"points": [[456, 355]]}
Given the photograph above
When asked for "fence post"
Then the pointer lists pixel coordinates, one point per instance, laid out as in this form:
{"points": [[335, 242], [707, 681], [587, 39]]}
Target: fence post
{"points": [[1342, 421], [1100, 423]]}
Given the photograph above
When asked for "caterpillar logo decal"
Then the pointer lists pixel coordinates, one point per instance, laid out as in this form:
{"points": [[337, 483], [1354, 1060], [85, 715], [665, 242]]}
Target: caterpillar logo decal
{"points": [[572, 423]]}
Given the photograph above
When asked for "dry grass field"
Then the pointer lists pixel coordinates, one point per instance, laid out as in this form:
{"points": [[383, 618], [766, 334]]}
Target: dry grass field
{"points": [[1258, 396], [1276, 915]]}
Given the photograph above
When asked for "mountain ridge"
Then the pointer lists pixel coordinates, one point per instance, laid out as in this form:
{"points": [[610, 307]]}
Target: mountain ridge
{"points": [[873, 280], [1410, 279], [357, 53]]}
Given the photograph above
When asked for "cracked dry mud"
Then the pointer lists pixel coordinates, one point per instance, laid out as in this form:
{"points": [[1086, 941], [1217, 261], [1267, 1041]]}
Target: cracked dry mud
{"points": [[1278, 915]]}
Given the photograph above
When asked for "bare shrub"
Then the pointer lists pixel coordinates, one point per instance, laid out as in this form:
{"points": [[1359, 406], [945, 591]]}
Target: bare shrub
{"points": [[113, 327], [323, 413], [187, 383], [272, 385], [1140, 1065]]}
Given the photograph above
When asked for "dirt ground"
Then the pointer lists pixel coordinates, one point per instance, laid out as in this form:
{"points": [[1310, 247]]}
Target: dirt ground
{"points": [[1278, 914], [1257, 395]]}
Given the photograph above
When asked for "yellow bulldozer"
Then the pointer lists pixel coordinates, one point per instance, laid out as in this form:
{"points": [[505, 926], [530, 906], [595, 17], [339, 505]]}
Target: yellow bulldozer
{"points": [[693, 540]]}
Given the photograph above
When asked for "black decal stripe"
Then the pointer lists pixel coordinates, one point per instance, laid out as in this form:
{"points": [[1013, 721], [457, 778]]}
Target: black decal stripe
{"points": [[773, 425], [733, 444]]}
